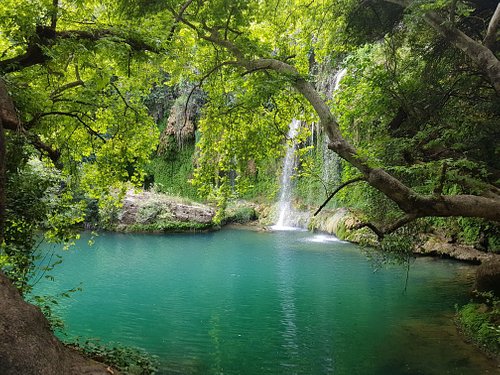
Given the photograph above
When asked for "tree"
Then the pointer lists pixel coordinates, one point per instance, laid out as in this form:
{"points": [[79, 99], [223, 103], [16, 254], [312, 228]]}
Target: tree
{"points": [[73, 77], [269, 46]]}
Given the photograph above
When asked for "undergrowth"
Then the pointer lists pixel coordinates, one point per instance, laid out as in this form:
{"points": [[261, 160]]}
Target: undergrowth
{"points": [[479, 320], [128, 360]]}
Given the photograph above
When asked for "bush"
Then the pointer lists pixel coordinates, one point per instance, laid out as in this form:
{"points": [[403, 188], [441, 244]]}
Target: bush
{"points": [[480, 322], [241, 215], [128, 360]]}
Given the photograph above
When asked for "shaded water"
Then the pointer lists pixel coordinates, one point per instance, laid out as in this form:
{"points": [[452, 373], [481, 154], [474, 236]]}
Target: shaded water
{"points": [[241, 302]]}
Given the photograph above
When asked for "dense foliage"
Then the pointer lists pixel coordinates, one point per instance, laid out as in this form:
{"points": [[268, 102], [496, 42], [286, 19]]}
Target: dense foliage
{"points": [[78, 77], [414, 118], [480, 322], [262, 64]]}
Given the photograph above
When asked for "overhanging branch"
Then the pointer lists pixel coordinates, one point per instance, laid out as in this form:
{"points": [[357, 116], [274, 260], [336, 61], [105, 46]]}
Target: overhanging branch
{"points": [[381, 233], [409, 201], [46, 36], [67, 114], [340, 187], [53, 154]]}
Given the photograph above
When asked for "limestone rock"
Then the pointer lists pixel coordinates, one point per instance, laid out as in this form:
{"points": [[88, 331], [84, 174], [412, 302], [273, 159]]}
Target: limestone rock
{"points": [[435, 245], [146, 207]]}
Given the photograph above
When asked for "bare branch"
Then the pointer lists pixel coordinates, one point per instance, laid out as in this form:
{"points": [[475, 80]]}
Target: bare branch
{"points": [[378, 232], [53, 154], [401, 222], [55, 14], [67, 114], [124, 100], [340, 187], [381, 233], [226, 29]]}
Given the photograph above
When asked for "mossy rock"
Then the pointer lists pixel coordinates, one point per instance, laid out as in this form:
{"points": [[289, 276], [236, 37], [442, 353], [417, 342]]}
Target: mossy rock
{"points": [[340, 223], [240, 214]]}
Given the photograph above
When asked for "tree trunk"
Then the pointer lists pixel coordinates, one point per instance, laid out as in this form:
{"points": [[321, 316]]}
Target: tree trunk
{"points": [[28, 347], [484, 58], [8, 118], [3, 181]]}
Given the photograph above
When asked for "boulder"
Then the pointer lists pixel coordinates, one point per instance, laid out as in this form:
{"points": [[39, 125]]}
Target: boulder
{"points": [[488, 277], [27, 345], [146, 207]]}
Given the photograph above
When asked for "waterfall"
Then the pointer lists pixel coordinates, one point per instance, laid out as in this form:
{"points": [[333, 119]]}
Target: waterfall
{"points": [[332, 167], [285, 201], [336, 80], [288, 218]]}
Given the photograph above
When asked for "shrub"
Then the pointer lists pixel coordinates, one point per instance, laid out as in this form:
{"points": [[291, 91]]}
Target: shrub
{"points": [[480, 322]]}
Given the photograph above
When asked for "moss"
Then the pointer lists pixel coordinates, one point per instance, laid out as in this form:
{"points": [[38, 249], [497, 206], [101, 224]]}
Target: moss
{"points": [[239, 214], [480, 322], [172, 173], [166, 226]]}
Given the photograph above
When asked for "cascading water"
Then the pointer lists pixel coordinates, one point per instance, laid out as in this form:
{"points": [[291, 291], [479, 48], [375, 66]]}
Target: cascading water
{"points": [[285, 208], [288, 218], [332, 167], [336, 80], [331, 172]]}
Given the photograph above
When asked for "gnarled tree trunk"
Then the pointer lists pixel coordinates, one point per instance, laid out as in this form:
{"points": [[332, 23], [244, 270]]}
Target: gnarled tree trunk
{"points": [[28, 347], [8, 118]]}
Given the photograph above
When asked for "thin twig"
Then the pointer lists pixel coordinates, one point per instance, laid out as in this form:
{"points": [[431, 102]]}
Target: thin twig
{"points": [[336, 191]]}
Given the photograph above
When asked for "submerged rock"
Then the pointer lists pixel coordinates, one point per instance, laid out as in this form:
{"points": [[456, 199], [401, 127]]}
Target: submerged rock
{"points": [[27, 345]]}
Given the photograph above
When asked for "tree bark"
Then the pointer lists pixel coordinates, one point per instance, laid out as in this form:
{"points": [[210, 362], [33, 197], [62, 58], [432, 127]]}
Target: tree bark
{"points": [[8, 119], [27, 345], [491, 33], [3, 181]]}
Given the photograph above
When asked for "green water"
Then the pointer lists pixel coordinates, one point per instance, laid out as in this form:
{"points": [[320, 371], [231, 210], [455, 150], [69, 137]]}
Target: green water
{"points": [[242, 302]]}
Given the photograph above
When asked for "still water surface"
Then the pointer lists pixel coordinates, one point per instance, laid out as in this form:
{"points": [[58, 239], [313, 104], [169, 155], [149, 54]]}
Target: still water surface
{"points": [[242, 302]]}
